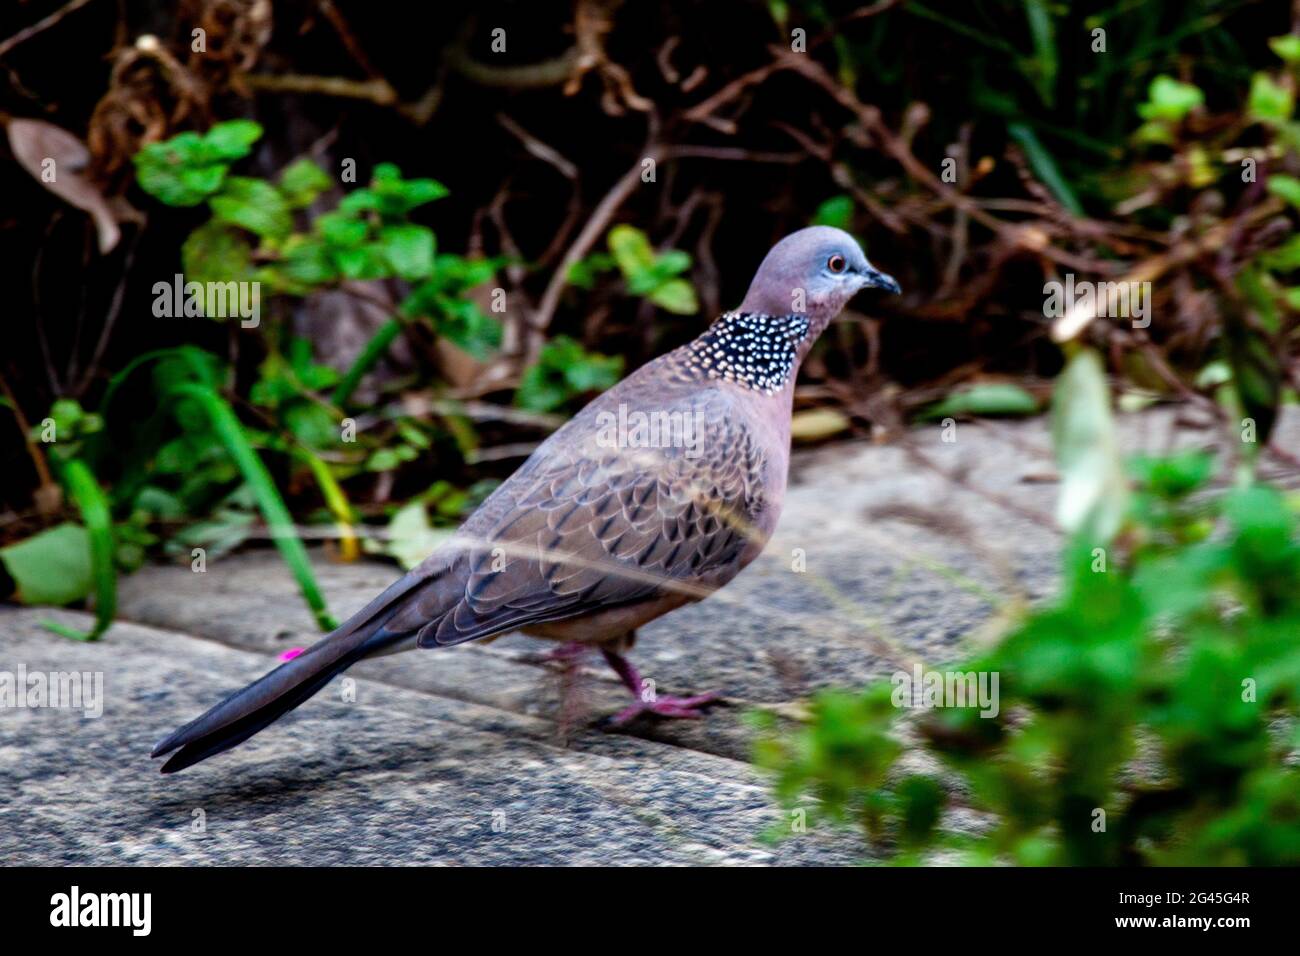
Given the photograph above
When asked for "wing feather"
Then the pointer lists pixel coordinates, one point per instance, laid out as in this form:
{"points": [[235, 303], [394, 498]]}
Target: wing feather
{"points": [[582, 527]]}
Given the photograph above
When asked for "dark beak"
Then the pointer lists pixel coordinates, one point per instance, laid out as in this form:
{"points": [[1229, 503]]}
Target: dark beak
{"points": [[875, 279]]}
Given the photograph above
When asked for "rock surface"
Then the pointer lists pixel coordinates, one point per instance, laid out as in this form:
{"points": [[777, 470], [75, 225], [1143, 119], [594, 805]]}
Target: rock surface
{"points": [[455, 756]]}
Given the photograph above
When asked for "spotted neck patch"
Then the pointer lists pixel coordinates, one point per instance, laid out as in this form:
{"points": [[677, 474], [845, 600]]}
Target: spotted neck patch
{"points": [[750, 349]]}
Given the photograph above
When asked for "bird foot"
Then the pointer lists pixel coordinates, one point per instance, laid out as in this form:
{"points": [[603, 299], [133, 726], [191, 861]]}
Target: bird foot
{"points": [[681, 708]]}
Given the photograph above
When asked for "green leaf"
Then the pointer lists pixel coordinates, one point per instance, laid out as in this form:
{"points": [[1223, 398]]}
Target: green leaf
{"points": [[1044, 164], [395, 197], [203, 180], [1173, 476], [1170, 100], [232, 140], [255, 205], [341, 229], [583, 273], [671, 263], [984, 398], [359, 200], [417, 192], [836, 211], [1094, 492], [564, 370], [631, 250], [540, 392], [1270, 102], [52, 567], [215, 253], [363, 262], [921, 800], [1288, 187], [1287, 47], [1285, 258], [165, 172], [409, 250], [188, 168], [302, 181], [312, 424], [650, 275], [677, 296], [309, 262], [468, 326]]}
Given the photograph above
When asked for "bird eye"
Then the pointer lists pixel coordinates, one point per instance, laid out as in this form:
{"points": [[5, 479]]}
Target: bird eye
{"points": [[836, 263]]}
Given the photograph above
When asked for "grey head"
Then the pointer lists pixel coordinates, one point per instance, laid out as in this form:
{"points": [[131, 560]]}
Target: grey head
{"points": [[813, 272]]}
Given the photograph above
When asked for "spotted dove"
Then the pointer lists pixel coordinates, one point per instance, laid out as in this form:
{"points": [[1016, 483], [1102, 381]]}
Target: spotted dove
{"points": [[611, 522]]}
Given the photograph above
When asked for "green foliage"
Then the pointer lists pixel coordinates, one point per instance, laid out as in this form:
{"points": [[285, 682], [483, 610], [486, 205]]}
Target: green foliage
{"points": [[52, 566], [72, 425], [1270, 101], [188, 168], [1147, 715], [646, 274], [1168, 103], [444, 298], [836, 211], [983, 398], [194, 476], [1287, 48], [565, 370], [254, 205], [368, 235], [227, 428], [82, 487]]}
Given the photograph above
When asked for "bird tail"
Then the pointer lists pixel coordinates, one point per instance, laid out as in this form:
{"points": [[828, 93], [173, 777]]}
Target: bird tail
{"points": [[264, 701]]}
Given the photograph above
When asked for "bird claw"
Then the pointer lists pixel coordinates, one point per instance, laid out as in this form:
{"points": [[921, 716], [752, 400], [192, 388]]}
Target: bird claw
{"points": [[674, 708]]}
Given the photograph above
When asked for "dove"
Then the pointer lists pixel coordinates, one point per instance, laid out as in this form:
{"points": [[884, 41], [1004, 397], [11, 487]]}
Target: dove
{"points": [[655, 495]]}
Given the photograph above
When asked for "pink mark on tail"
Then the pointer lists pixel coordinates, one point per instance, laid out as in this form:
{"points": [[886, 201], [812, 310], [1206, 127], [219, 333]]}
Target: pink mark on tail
{"points": [[291, 653]]}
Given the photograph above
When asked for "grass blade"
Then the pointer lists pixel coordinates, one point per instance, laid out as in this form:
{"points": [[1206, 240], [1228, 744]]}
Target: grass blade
{"points": [[269, 502], [370, 355], [337, 502], [97, 516]]}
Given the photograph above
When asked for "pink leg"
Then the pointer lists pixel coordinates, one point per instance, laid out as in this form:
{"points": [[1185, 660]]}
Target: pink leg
{"points": [[690, 708]]}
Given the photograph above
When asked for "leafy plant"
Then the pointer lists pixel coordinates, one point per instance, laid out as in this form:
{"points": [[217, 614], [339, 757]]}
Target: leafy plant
{"points": [[1147, 715], [252, 235], [564, 370], [197, 469], [646, 274], [189, 168]]}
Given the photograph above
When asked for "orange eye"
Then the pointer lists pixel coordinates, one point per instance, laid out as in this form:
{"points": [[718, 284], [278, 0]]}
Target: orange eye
{"points": [[836, 263]]}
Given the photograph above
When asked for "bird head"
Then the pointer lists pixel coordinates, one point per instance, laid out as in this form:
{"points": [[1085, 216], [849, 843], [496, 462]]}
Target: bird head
{"points": [[813, 272]]}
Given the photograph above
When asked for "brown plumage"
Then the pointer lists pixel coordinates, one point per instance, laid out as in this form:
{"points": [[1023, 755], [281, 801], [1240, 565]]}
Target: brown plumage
{"points": [[605, 527]]}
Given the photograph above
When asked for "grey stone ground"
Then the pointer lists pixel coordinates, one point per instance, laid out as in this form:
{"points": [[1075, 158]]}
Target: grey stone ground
{"points": [[910, 549]]}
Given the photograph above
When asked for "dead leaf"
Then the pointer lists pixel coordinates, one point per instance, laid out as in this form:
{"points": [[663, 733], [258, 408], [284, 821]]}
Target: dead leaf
{"points": [[818, 423], [57, 160]]}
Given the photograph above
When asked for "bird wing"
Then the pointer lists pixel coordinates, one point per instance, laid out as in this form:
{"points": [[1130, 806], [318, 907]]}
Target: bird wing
{"points": [[585, 526]]}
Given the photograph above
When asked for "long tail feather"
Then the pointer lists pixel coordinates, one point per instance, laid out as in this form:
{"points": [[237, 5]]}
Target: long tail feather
{"points": [[262, 702], [258, 705]]}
